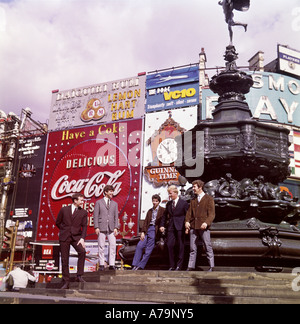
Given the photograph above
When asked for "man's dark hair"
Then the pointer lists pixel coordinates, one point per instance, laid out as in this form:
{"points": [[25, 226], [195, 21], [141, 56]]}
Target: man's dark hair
{"points": [[199, 183], [76, 196], [108, 188], [157, 197]]}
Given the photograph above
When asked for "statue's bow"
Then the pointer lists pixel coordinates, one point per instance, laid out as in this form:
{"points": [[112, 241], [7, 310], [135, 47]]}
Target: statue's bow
{"points": [[241, 5]]}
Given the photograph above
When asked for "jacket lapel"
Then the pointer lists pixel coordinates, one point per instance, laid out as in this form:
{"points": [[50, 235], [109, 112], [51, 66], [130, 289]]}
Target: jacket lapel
{"points": [[202, 202], [104, 203], [160, 212], [177, 205], [69, 215], [170, 208], [76, 214]]}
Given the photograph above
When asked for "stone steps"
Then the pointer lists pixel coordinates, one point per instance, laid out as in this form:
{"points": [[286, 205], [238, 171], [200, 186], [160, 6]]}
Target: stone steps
{"points": [[160, 297], [175, 288]]}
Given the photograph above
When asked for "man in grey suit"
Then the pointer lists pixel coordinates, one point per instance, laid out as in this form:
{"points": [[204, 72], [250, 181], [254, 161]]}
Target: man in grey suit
{"points": [[106, 217]]}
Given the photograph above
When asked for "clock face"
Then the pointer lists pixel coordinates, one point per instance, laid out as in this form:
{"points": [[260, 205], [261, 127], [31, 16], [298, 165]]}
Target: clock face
{"points": [[167, 151]]}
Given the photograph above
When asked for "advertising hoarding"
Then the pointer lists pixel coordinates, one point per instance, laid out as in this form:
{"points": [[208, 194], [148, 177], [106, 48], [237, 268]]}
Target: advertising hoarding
{"points": [[289, 60], [46, 258], [84, 160], [273, 97], [23, 204], [101, 103], [161, 128], [173, 89]]}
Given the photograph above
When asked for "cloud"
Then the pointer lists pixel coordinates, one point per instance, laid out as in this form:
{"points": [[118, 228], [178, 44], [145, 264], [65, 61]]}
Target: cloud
{"points": [[61, 44]]}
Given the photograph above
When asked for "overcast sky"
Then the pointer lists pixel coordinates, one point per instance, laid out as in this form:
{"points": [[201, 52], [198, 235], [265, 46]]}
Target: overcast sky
{"points": [[64, 44]]}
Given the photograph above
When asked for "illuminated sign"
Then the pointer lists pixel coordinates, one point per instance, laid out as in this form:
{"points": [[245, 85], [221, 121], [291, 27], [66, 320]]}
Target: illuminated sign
{"points": [[160, 152], [46, 258], [101, 103], [173, 89], [86, 159], [161, 171], [23, 205], [272, 97], [289, 60]]}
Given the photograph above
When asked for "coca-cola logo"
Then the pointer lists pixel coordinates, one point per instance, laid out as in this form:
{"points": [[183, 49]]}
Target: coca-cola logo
{"points": [[65, 187]]}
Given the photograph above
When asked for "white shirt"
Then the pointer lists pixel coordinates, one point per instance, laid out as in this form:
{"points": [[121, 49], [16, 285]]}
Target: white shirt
{"points": [[73, 208], [201, 196], [20, 278]]}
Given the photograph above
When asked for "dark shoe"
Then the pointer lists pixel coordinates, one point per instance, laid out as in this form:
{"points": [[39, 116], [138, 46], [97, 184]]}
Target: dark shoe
{"points": [[172, 269], [101, 268], [79, 279], [134, 268], [65, 286], [112, 268], [178, 269], [190, 269], [210, 270]]}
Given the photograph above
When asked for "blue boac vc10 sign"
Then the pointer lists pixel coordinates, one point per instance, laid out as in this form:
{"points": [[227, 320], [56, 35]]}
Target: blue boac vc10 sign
{"points": [[273, 97], [173, 89]]}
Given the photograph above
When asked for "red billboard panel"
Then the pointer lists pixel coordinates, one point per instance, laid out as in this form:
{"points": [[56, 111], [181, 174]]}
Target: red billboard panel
{"points": [[84, 160]]}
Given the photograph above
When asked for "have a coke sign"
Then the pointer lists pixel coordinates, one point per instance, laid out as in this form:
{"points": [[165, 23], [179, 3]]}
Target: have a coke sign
{"points": [[85, 160]]}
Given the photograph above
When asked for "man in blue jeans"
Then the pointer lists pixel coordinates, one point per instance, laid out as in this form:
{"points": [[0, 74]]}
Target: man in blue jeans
{"points": [[149, 234]]}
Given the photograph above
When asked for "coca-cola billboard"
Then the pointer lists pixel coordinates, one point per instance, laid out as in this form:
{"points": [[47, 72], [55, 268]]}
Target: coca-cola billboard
{"points": [[84, 160]]}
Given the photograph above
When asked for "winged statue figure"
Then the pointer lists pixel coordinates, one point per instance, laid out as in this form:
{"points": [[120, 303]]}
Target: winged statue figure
{"points": [[228, 7]]}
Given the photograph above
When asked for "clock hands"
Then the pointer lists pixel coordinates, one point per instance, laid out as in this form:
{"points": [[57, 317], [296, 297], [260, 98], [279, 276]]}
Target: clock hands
{"points": [[167, 151], [165, 148]]}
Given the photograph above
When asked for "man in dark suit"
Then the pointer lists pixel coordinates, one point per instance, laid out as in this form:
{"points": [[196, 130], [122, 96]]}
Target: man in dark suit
{"points": [[149, 235], [72, 223], [175, 212], [199, 218]]}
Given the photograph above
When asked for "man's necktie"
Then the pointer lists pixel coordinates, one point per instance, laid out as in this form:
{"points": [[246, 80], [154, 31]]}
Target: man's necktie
{"points": [[173, 205], [75, 210], [108, 202]]}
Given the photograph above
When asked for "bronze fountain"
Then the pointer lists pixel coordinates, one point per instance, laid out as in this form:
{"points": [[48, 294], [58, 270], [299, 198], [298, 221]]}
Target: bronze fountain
{"points": [[244, 160]]}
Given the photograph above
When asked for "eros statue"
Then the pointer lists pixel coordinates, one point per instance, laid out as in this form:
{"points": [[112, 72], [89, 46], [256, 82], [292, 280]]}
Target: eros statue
{"points": [[228, 7]]}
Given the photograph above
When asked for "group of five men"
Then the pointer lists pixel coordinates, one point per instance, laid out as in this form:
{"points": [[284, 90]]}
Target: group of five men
{"points": [[178, 218]]}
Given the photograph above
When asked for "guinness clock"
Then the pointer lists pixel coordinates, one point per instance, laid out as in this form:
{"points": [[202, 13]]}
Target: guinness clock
{"points": [[167, 151]]}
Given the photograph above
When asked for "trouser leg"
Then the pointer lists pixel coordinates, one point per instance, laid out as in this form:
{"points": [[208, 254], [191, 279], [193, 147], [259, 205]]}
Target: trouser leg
{"points": [[81, 257], [180, 239], [193, 249], [101, 247], [171, 241], [65, 255], [112, 248], [208, 247], [150, 244], [138, 253]]}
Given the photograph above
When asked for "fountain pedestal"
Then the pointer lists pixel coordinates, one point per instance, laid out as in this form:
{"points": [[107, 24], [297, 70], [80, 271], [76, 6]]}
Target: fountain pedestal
{"points": [[244, 160]]}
